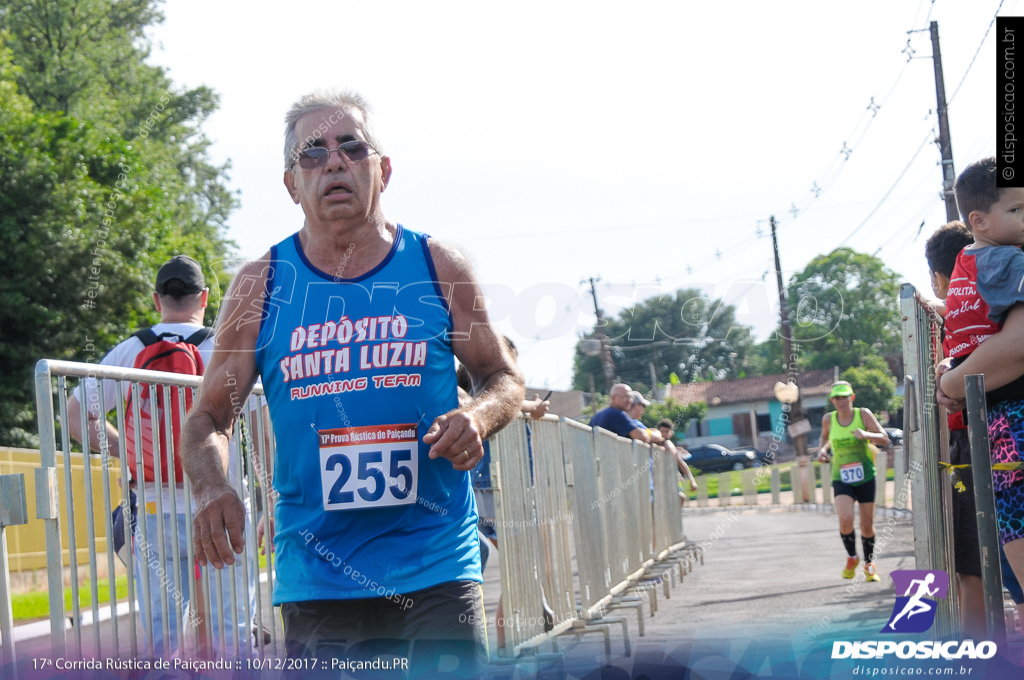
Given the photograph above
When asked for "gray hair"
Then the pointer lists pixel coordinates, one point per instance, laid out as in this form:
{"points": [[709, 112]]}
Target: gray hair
{"points": [[319, 100]]}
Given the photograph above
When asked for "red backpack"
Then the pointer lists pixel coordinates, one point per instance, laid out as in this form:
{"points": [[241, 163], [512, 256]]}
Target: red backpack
{"points": [[170, 353]]}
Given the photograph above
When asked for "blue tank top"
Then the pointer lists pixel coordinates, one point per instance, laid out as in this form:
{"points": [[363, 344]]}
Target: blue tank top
{"points": [[355, 371]]}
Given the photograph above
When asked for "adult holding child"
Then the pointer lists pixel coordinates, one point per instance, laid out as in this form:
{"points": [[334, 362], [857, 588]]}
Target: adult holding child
{"points": [[985, 324], [846, 436]]}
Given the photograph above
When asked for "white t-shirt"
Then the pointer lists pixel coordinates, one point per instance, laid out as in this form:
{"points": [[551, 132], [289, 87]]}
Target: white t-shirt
{"points": [[124, 355]]}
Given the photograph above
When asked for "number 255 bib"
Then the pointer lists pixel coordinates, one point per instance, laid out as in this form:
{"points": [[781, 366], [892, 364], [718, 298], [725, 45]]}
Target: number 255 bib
{"points": [[369, 467]]}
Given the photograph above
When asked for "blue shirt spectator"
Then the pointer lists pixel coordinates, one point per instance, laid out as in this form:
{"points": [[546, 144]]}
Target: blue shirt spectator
{"points": [[614, 418]]}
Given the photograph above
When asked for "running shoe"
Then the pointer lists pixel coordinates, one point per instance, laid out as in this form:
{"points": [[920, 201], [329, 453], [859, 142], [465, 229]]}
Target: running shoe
{"points": [[870, 573], [851, 567]]}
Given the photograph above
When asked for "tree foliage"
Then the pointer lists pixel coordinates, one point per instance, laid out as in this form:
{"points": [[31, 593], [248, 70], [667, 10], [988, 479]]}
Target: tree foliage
{"points": [[844, 308], [843, 312], [680, 414], [874, 388], [104, 175], [688, 334]]}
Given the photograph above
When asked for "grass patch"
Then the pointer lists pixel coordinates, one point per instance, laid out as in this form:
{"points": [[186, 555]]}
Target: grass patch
{"points": [[36, 605], [764, 482]]}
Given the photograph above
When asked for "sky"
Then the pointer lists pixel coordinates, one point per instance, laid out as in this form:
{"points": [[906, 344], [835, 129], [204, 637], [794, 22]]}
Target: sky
{"points": [[647, 147]]}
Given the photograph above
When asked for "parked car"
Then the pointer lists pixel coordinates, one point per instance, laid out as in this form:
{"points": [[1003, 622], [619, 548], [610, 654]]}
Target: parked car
{"points": [[717, 458], [760, 457], [895, 436]]}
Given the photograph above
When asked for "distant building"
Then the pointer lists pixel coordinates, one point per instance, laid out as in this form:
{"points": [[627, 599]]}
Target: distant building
{"points": [[563, 403], [745, 412]]}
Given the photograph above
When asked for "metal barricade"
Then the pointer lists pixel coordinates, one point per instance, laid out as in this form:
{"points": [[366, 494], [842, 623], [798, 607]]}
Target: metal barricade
{"points": [[881, 474], [666, 501], [926, 444], [554, 519], [611, 504], [668, 525], [636, 467], [985, 503], [520, 549], [588, 518], [163, 518], [622, 485], [13, 512]]}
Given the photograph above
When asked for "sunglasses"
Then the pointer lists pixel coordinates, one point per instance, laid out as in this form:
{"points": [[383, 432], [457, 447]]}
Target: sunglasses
{"points": [[316, 156]]}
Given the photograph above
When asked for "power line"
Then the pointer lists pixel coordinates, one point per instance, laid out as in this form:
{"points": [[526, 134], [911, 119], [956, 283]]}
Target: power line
{"points": [[977, 51], [929, 137]]}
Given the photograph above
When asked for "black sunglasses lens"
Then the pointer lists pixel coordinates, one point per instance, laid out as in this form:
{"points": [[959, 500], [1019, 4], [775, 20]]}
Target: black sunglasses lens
{"points": [[356, 151], [313, 157]]}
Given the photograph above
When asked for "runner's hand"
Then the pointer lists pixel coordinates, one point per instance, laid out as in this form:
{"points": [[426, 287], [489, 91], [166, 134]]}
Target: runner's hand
{"points": [[456, 436], [217, 528]]}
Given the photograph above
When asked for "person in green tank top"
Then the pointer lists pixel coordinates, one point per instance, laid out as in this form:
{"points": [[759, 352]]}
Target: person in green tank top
{"points": [[846, 438]]}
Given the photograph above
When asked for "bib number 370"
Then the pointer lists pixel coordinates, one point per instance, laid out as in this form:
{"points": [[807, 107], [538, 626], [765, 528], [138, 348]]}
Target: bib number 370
{"points": [[851, 473], [369, 467]]}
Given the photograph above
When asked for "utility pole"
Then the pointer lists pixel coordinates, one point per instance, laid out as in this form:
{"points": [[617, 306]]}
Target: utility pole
{"points": [[796, 409], [606, 356], [945, 144]]}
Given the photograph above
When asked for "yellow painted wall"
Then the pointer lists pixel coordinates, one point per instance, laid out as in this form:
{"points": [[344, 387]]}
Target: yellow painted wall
{"points": [[26, 544]]}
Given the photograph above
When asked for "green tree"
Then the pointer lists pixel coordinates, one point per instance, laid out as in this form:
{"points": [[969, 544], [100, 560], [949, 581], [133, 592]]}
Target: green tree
{"points": [[688, 334], [680, 414], [843, 309], [103, 176], [874, 388], [843, 312]]}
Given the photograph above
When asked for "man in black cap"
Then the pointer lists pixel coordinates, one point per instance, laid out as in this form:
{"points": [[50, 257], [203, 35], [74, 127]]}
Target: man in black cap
{"points": [[180, 296], [179, 277]]}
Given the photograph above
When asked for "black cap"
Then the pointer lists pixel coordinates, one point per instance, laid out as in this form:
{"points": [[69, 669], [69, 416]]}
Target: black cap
{"points": [[184, 269]]}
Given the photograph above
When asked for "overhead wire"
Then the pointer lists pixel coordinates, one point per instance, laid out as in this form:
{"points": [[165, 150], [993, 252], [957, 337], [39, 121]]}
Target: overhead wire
{"points": [[930, 136], [976, 53], [832, 172]]}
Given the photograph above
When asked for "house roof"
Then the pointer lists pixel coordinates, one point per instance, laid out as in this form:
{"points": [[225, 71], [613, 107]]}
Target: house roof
{"points": [[744, 390]]}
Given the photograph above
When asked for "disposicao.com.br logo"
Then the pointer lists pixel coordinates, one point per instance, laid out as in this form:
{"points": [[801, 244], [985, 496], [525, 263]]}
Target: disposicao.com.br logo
{"points": [[914, 612]]}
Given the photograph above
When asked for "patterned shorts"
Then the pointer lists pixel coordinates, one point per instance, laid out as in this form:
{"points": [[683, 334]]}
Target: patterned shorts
{"points": [[1006, 439], [1010, 513]]}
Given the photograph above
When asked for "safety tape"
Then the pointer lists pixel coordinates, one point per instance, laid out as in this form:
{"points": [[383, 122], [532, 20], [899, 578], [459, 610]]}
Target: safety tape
{"points": [[955, 476]]}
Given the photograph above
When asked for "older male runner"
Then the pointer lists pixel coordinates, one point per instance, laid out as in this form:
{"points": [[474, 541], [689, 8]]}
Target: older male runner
{"points": [[353, 323]]}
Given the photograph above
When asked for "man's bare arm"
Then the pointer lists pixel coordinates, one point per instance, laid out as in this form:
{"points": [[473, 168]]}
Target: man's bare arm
{"points": [[220, 516], [498, 387], [1000, 358], [537, 408], [74, 426], [640, 434]]}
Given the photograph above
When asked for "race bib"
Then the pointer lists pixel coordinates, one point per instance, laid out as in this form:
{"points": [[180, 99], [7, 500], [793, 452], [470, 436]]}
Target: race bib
{"points": [[851, 473], [369, 467]]}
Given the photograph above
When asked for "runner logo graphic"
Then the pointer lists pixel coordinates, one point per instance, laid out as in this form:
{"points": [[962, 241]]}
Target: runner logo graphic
{"points": [[914, 612]]}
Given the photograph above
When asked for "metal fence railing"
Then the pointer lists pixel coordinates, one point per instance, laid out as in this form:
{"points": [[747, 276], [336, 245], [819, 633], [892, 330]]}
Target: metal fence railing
{"points": [[583, 519], [615, 499], [170, 609], [926, 445]]}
